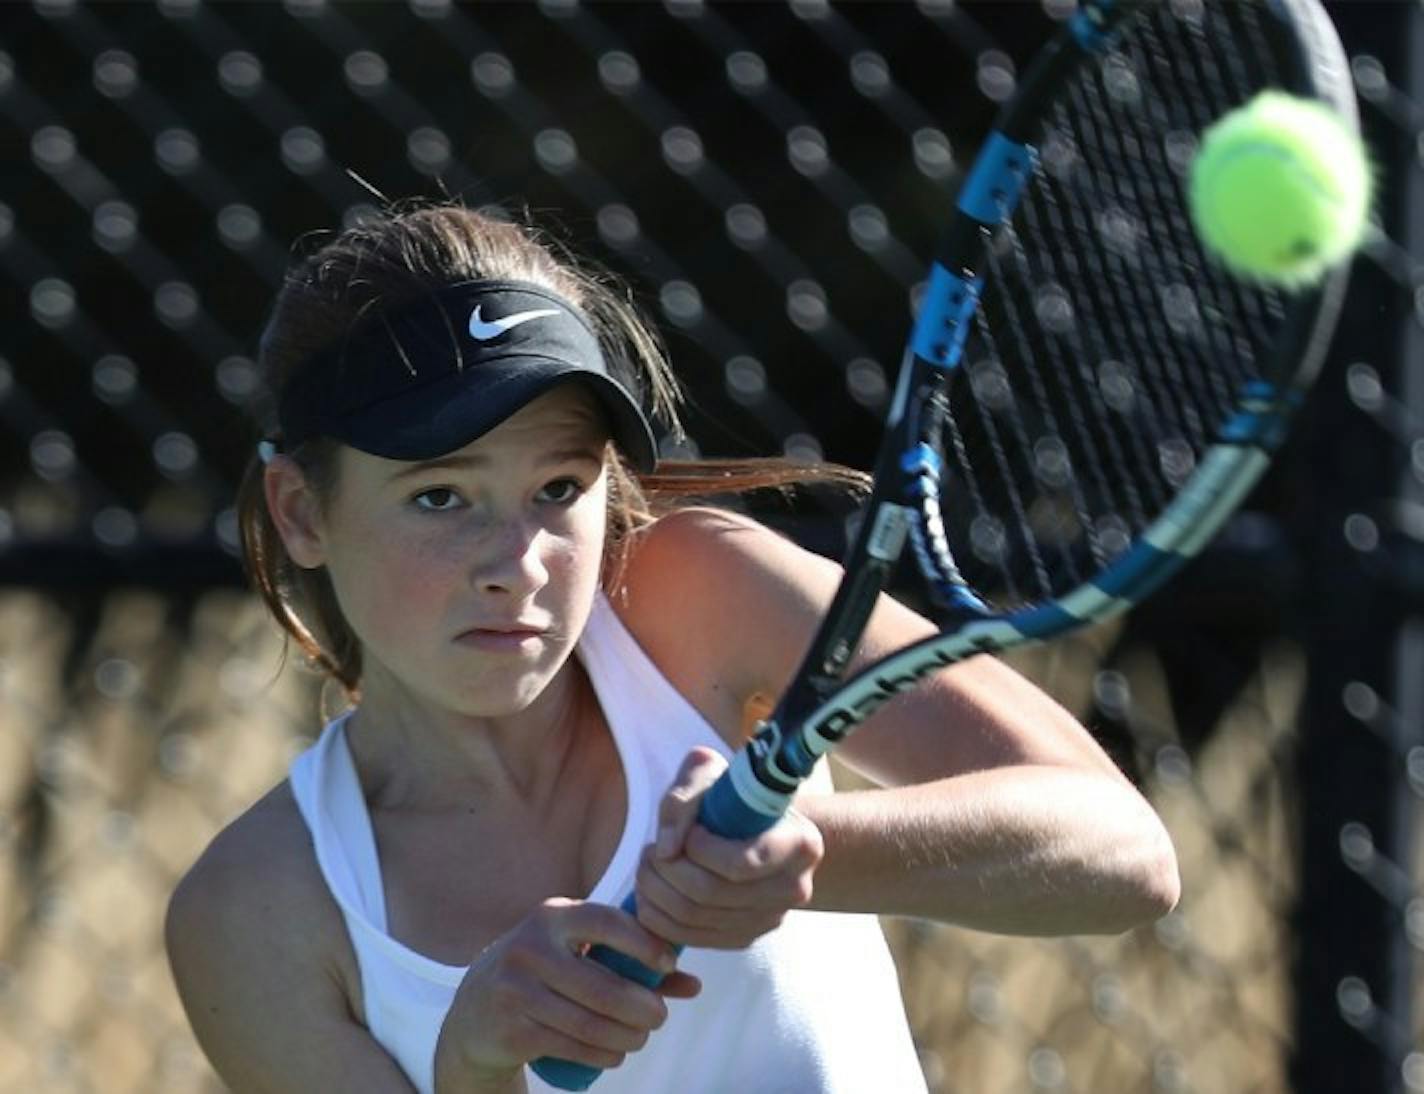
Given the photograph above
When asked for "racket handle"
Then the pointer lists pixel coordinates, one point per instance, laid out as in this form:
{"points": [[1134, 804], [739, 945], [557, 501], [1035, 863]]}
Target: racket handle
{"points": [[723, 813], [566, 1074]]}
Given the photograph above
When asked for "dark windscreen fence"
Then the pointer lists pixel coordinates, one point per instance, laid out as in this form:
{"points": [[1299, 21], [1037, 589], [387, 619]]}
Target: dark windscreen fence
{"points": [[769, 179], [764, 177]]}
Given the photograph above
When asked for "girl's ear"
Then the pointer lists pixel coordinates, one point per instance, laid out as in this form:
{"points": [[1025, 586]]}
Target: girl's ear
{"points": [[295, 511]]}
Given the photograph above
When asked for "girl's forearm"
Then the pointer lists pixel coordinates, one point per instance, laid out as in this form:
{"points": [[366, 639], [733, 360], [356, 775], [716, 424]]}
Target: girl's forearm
{"points": [[1035, 849]]}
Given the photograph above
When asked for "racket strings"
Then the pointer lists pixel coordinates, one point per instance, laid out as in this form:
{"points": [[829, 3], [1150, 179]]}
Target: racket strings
{"points": [[1155, 295], [1108, 348], [1054, 374], [1110, 265], [984, 530], [1025, 504], [1129, 457], [989, 473], [1224, 77], [993, 538], [1131, 141], [1201, 72], [1101, 266], [1102, 442], [928, 538], [1050, 452]]}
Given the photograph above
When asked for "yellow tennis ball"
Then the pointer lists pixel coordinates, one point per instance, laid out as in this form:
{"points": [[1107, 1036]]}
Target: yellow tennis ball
{"points": [[1280, 189]]}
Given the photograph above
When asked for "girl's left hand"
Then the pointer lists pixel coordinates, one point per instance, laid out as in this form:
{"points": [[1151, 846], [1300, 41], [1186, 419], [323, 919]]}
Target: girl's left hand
{"points": [[697, 889]]}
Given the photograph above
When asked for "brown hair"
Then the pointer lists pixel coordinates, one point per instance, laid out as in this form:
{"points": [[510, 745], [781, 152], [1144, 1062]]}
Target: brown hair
{"points": [[397, 255]]}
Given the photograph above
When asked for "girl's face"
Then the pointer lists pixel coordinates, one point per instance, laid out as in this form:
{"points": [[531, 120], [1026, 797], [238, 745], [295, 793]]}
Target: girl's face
{"points": [[469, 578]]}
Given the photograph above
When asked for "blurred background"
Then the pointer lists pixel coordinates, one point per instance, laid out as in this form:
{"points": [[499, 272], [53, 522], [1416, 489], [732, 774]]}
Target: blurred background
{"points": [[768, 177]]}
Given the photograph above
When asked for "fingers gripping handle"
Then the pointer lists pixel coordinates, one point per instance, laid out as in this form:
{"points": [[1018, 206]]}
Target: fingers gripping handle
{"points": [[566, 1074], [724, 813]]}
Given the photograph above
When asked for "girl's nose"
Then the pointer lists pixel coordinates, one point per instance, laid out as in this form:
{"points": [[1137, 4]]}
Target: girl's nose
{"points": [[512, 562]]}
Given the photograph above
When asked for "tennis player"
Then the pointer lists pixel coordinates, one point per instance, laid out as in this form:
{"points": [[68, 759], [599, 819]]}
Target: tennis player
{"points": [[549, 653]]}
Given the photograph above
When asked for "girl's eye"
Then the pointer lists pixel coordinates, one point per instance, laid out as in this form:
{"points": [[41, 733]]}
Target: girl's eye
{"points": [[438, 499], [562, 491]]}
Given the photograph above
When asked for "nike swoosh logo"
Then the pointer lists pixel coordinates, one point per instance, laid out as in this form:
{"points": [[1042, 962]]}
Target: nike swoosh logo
{"points": [[482, 330]]}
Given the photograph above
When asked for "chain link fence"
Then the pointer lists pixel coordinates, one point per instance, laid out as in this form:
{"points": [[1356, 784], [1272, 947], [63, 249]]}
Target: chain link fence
{"points": [[767, 176]]}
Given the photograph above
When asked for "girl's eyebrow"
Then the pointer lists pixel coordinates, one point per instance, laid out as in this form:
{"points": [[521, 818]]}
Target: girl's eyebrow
{"points": [[471, 461]]}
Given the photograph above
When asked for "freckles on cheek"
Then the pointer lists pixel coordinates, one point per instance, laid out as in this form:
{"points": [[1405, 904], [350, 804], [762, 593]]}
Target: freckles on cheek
{"points": [[393, 587], [575, 566]]}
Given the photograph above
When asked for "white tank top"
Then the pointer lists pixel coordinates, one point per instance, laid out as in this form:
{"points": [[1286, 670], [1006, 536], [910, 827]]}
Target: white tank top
{"points": [[814, 1006]]}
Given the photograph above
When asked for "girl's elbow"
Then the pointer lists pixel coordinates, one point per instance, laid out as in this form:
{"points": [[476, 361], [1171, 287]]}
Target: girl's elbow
{"points": [[1165, 889], [1156, 880]]}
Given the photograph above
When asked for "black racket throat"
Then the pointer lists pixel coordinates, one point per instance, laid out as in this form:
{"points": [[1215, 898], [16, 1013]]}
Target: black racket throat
{"points": [[882, 532]]}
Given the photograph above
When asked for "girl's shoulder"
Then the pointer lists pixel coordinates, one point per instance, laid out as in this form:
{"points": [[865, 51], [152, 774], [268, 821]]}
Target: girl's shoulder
{"points": [[266, 846], [716, 543], [723, 605], [699, 533], [263, 965], [254, 910], [687, 565]]}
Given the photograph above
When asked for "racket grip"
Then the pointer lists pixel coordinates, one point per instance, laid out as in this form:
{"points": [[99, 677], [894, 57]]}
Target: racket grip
{"points": [[566, 1074], [723, 813]]}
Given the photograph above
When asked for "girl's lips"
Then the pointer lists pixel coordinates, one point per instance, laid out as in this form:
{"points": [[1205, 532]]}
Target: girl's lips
{"points": [[499, 640]]}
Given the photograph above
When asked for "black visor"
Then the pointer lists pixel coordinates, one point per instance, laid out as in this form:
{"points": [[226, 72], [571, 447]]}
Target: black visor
{"points": [[434, 374]]}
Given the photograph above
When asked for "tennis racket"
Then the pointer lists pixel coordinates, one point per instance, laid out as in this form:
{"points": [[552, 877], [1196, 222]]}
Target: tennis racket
{"points": [[1086, 396]]}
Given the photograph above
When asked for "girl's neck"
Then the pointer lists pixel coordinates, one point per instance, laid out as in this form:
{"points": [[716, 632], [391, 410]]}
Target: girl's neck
{"points": [[412, 757]]}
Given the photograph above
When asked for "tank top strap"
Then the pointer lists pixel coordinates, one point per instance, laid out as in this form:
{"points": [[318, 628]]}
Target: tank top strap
{"points": [[328, 792]]}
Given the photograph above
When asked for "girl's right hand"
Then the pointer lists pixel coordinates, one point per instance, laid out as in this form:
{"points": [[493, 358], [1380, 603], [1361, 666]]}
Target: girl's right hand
{"points": [[533, 994]]}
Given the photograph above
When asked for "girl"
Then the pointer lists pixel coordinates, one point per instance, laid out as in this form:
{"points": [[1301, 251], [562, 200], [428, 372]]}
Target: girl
{"points": [[549, 654]]}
